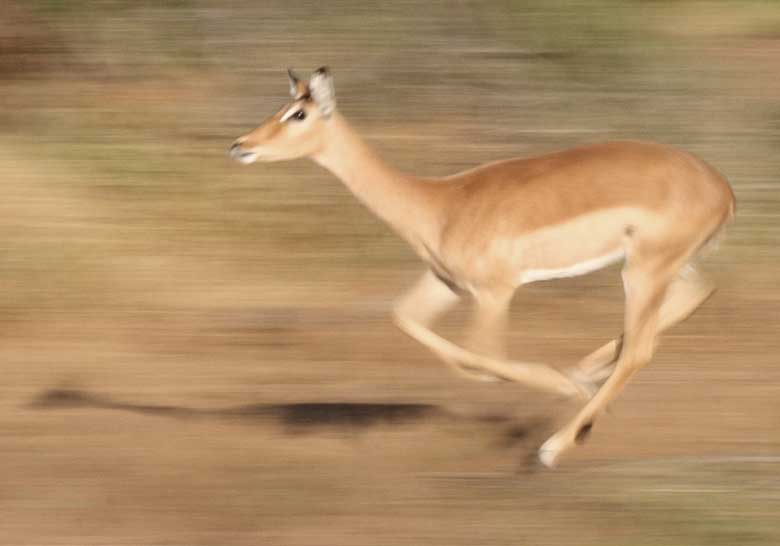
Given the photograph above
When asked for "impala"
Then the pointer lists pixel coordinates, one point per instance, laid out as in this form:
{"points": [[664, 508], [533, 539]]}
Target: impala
{"points": [[484, 232]]}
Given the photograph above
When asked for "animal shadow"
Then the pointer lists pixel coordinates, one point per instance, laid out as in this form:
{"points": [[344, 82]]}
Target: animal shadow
{"points": [[309, 417]]}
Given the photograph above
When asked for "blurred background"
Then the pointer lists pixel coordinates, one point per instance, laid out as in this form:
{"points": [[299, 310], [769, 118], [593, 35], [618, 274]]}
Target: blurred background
{"points": [[195, 352]]}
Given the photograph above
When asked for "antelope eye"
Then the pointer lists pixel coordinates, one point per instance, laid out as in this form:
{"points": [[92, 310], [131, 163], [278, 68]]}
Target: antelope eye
{"points": [[300, 115]]}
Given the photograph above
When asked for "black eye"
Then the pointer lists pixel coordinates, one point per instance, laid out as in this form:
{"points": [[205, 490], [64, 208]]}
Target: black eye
{"points": [[300, 115]]}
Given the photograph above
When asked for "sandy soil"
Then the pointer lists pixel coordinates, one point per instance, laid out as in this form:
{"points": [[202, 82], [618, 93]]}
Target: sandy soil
{"points": [[327, 426]]}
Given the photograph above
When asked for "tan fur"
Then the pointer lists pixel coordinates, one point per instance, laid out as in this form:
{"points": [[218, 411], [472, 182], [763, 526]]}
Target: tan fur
{"points": [[489, 229]]}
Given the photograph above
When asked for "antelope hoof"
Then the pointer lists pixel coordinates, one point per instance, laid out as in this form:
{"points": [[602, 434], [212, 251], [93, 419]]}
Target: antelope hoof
{"points": [[548, 457], [551, 451]]}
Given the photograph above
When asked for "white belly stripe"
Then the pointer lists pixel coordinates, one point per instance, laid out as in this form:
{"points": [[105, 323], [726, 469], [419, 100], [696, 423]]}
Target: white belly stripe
{"points": [[581, 268]]}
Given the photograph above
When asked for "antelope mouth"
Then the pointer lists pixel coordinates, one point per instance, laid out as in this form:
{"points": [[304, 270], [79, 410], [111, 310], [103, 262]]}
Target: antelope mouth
{"points": [[245, 157]]}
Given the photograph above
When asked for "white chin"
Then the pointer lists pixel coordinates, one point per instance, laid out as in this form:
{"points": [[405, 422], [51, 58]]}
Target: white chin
{"points": [[247, 158]]}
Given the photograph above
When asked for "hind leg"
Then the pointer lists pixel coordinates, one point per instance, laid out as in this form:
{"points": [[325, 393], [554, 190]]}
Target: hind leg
{"points": [[646, 282], [685, 294]]}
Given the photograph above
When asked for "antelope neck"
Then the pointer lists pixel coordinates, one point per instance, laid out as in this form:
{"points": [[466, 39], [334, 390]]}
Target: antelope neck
{"points": [[406, 203]]}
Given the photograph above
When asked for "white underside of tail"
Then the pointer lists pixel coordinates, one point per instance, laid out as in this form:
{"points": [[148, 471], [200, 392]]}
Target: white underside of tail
{"points": [[581, 268]]}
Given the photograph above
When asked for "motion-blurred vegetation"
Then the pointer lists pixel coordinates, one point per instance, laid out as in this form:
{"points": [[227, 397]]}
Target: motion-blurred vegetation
{"points": [[125, 228], [124, 108]]}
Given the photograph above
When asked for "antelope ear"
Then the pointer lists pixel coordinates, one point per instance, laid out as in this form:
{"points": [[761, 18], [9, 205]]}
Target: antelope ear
{"points": [[297, 88], [322, 91]]}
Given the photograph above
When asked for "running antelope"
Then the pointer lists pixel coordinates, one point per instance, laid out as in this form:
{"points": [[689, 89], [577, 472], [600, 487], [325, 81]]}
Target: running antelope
{"points": [[484, 232]]}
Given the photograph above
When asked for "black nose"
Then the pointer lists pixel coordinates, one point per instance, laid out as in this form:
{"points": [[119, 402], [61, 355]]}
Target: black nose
{"points": [[234, 146]]}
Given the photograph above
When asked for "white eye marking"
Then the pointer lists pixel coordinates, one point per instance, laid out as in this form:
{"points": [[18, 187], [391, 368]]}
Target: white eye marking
{"points": [[289, 113]]}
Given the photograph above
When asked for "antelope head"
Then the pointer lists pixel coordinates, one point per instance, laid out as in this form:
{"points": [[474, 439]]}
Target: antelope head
{"points": [[297, 129]]}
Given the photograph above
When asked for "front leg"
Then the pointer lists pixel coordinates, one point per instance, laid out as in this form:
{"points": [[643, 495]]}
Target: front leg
{"points": [[487, 332], [422, 305], [416, 311]]}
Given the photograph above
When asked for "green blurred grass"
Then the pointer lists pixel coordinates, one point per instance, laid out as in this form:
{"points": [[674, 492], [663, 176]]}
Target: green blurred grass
{"points": [[119, 198], [139, 102]]}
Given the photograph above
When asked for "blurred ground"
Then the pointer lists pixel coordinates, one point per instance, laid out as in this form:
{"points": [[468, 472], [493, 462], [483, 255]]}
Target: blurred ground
{"points": [[199, 353]]}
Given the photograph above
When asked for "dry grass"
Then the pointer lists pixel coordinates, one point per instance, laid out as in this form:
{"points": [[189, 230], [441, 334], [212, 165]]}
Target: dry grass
{"points": [[181, 295]]}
